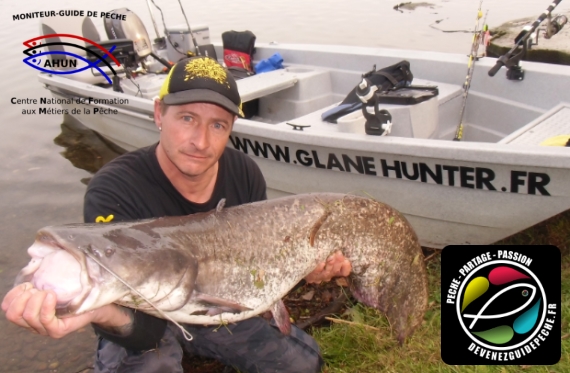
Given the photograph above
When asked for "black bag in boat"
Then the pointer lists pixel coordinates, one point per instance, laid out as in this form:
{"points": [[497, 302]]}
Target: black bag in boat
{"points": [[396, 76], [239, 47], [410, 95]]}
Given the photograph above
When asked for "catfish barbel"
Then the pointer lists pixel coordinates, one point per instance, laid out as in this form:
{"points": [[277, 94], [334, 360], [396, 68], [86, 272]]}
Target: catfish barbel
{"points": [[231, 264]]}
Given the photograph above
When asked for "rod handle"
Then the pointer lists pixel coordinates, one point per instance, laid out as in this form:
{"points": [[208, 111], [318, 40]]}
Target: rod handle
{"points": [[495, 68], [166, 63]]}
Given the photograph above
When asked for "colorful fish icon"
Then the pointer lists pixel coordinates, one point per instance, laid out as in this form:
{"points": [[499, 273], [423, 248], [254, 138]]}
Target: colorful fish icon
{"points": [[524, 291], [481, 315], [34, 59]]}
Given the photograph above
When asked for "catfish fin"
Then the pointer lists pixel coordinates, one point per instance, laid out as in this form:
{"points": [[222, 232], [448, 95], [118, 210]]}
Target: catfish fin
{"points": [[281, 317], [221, 205], [215, 305]]}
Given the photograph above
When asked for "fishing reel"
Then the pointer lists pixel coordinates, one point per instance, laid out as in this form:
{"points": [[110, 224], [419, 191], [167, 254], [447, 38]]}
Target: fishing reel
{"points": [[525, 40], [553, 27], [379, 123]]}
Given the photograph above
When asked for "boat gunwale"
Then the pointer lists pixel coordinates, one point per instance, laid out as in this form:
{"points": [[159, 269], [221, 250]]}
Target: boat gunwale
{"points": [[490, 153]]}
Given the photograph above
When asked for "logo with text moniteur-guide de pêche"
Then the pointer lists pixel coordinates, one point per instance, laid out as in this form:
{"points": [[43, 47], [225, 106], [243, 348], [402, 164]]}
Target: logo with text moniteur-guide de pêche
{"points": [[500, 305]]}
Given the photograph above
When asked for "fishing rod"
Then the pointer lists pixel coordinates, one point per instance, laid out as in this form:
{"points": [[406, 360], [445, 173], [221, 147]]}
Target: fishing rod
{"points": [[152, 19], [197, 50], [512, 60], [167, 38], [470, 68]]}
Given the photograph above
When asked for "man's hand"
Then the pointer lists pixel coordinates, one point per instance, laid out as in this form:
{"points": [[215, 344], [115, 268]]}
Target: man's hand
{"points": [[34, 310], [335, 266]]}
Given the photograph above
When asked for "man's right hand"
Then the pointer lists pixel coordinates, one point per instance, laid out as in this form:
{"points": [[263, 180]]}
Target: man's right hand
{"points": [[34, 310]]}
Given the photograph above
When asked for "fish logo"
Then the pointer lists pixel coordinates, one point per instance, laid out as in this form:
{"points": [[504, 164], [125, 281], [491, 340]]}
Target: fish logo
{"points": [[34, 54], [502, 305]]}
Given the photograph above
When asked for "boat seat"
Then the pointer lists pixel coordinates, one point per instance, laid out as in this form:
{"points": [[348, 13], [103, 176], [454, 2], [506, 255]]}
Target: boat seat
{"points": [[552, 123], [76, 26], [261, 85], [415, 121], [69, 25]]}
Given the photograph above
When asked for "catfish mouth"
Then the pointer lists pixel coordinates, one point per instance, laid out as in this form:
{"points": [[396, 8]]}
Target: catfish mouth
{"points": [[64, 271]]}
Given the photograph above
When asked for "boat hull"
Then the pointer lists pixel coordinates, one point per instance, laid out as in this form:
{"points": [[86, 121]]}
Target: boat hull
{"points": [[451, 192], [447, 201]]}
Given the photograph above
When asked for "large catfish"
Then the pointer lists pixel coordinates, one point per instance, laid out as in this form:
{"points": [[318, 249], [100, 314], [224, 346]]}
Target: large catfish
{"points": [[231, 264]]}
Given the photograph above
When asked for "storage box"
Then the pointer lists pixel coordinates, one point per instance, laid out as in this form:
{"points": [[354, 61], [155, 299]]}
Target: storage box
{"points": [[181, 40]]}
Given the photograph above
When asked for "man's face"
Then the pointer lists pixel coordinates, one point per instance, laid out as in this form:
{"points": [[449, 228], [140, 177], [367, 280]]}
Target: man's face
{"points": [[193, 136]]}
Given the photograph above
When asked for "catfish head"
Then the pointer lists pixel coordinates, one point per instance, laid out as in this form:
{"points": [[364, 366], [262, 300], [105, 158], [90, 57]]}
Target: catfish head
{"points": [[90, 265]]}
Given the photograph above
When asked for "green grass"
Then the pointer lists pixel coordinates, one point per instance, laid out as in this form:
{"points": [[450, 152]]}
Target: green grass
{"points": [[355, 348]]}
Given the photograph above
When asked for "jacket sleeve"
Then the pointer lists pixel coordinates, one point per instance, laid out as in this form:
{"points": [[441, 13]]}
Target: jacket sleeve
{"points": [[104, 203], [147, 332]]}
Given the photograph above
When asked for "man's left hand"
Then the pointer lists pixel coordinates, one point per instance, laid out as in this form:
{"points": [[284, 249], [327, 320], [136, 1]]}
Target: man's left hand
{"points": [[335, 266]]}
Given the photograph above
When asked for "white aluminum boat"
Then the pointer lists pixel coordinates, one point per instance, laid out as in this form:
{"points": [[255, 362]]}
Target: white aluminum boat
{"points": [[497, 181]]}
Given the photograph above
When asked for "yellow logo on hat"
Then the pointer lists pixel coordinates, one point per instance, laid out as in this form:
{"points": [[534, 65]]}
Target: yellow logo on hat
{"points": [[206, 68]]}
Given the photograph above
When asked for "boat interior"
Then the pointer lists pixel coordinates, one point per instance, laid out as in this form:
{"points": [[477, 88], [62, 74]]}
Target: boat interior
{"points": [[313, 82]]}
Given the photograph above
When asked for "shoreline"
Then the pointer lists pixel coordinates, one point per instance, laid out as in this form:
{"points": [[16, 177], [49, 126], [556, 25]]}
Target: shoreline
{"points": [[555, 50]]}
